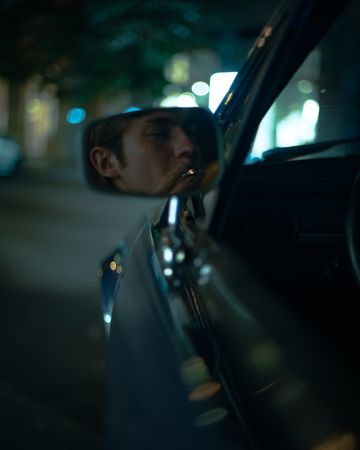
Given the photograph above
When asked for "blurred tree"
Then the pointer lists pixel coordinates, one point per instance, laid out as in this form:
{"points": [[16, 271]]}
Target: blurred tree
{"points": [[90, 47]]}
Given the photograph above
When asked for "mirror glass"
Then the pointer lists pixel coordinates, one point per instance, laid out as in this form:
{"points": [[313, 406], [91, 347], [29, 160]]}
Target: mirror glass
{"points": [[157, 152]]}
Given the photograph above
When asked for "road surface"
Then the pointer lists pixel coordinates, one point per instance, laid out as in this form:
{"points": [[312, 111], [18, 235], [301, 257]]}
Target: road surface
{"points": [[54, 232]]}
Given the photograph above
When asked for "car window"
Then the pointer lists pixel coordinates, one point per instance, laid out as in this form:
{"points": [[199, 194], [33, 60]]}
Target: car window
{"points": [[321, 102]]}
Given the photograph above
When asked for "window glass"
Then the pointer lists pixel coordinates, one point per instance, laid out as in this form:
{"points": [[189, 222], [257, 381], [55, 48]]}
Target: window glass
{"points": [[322, 100]]}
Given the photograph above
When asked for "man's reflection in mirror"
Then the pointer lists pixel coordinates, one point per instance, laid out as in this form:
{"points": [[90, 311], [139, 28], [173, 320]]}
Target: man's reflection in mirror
{"points": [[154, 153]]}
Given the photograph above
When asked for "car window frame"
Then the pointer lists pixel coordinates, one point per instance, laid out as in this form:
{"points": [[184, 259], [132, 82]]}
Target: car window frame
{"points": [[299, 28]]}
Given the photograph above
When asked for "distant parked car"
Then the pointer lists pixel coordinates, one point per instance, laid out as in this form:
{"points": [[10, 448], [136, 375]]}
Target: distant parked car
{"points": [[11, 156]]}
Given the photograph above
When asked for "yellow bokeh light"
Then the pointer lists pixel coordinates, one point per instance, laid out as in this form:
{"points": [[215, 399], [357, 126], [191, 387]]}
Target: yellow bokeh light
{"points": [[178, 69], [34, 106]]}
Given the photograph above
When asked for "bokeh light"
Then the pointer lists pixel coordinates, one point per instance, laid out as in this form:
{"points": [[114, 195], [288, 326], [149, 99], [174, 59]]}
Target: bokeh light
{"points": [[178, 69], [305, 86], [75, 115], [131, 109], [200, 88], [185, 99]]}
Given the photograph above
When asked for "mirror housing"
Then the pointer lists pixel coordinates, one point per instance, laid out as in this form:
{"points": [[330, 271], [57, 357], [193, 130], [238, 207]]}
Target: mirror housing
{"points": [[153, 152]]}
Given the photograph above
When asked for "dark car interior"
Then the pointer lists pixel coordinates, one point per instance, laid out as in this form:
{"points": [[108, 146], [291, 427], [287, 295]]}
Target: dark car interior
{"points": [[290, 223]]}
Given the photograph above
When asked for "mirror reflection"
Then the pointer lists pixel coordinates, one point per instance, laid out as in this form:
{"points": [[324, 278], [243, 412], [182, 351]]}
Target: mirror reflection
{"points": [[165, 151]]}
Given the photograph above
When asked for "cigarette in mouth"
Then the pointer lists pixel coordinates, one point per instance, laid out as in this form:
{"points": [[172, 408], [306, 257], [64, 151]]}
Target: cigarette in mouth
{"points": [[188, 173]]}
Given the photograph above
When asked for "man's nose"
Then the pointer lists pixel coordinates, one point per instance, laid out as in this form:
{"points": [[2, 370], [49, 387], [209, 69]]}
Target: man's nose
{"points": [[184, 145]]}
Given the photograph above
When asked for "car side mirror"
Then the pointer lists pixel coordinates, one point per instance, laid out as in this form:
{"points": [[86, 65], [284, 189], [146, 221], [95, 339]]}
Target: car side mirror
{"points": [[153, 152]]}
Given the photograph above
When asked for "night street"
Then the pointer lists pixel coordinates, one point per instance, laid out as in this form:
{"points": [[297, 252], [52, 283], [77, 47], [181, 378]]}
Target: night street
{"points": [[180, 225], [54, 233]]}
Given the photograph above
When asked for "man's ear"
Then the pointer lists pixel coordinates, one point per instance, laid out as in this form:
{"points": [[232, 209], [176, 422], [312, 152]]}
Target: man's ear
{"points": [[105, 162]]}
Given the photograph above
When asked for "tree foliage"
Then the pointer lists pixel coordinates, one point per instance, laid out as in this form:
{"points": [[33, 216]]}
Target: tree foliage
{"points": [[87, 46]]}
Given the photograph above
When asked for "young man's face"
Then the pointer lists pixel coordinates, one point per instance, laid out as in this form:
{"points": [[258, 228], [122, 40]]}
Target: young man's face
{"points": [[157, 150]]}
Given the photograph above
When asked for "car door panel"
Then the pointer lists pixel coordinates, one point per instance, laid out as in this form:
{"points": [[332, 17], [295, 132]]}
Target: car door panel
{"points": [[144, 383], [147, 401], [267, 359]]}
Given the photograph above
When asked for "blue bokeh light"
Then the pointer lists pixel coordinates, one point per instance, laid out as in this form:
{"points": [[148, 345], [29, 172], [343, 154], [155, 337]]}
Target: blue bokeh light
{"points": [[131, 108], [75, 115]]}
